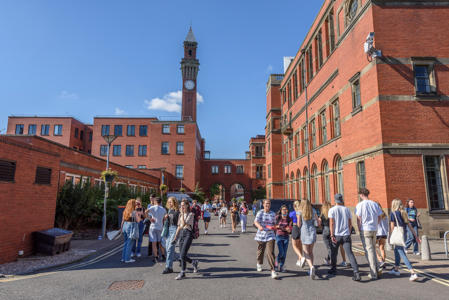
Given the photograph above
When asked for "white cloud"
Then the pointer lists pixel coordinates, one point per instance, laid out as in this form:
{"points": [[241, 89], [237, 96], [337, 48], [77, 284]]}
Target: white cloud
{"points": [[269, 69], [170, 102], [68, 95], [119, 112]]}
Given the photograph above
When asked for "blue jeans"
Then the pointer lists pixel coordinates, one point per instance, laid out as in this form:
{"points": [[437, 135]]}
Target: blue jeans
{"points": [[139, 241], [126, 230], [282, 242], [411, 239], [169, 247], [399, 252]]}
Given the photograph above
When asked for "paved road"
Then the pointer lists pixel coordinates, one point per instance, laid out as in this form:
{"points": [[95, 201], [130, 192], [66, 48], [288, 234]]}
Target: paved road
{"points": [[227, 271]]}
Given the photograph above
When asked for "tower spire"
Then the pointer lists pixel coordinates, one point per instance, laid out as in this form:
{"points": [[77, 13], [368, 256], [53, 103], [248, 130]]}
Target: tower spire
{"points": [[190, 37]]}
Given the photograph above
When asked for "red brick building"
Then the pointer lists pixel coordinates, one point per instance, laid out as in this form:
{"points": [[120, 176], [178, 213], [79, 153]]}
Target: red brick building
{"points": [[351, 119], [31, 171]]}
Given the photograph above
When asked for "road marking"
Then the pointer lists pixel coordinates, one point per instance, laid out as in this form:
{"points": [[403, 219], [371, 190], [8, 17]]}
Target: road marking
{"points": [[428, 275], [71, 267]]}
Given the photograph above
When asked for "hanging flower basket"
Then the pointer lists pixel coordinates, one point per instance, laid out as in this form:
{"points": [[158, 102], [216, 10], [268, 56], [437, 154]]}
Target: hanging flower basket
{"points": [[182, 190], [109, 175], [163, 187]]}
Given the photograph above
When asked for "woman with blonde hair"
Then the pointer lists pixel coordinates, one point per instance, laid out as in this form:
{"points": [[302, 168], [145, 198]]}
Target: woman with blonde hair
{"points": [[296, 234], [326, 230], [399, 218], [171, 219], [129, 217], [306, 220], [381, 237]]}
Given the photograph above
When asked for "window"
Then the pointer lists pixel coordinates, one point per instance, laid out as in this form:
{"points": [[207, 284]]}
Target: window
{"points": [[268, 144], [424, 72], [214, 169], [142, 150], [259, 171], [43, 175], [129, 150], [141, 167], [166, 128], [45, 129], [239, 169], [319, 44], [295, 86], [32, 129], [179, 147], [76, 132], [316, 189], [165, 148], [361, 177], [179, 129], [297, 145], [330, 24], [104, 130], [434, 182], [117, 150], [269, 170], [258, 151], [227, 169], [339, 175], [58, 130], [355, 87], [104, 150], [326, 184], [19, 128], [312, 134], [310, 64], [304, 140], [307, 185], [131, 130], [7, 170], [143, 130], [301, 76], [81, 135], [179, 171], [351, 10], [129, 167], [336, 118], [323, 128], [90, 136], [118, 130]]}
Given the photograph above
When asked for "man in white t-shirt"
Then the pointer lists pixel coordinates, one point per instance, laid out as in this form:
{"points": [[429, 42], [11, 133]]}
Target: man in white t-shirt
{"points": [[156, 214], [340, 226], [368, 217]]}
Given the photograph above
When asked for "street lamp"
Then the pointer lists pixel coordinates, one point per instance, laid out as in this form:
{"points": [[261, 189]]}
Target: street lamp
{"points": [[109, 139]]}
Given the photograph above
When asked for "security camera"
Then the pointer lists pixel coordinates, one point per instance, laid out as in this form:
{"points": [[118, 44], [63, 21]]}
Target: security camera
{"points": [[368, 46]]}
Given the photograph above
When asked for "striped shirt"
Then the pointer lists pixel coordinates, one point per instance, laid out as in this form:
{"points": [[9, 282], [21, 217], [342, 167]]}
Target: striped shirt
{"points": [[265, 219]]}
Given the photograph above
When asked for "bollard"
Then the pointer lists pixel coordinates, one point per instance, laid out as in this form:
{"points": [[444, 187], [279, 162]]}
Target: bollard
{"points": [[425, 248]]}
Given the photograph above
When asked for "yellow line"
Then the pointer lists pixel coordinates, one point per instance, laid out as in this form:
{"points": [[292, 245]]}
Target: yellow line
{"points": [[430, 276]]}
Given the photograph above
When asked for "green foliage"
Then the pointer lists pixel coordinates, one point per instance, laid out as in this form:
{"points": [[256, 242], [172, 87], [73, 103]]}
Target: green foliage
{"points": [[81, 206], [260, 193], [198, 194], [214, 190]]}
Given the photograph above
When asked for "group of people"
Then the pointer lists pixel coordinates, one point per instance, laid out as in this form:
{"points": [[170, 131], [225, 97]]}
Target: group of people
{"points": [[238, 212], [177, 223], [373, 224]]}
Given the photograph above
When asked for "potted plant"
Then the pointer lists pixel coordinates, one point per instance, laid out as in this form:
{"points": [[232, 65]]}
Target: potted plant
{"points": [[182, 190], [163, 188], [109, 175]]}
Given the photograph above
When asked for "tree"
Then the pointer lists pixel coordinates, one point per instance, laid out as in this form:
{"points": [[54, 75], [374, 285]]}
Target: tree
{"points": [[259, 193], [198, 194]]}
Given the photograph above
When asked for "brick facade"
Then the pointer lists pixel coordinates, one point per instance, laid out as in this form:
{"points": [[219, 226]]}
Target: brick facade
{"points": [[367, 121]]}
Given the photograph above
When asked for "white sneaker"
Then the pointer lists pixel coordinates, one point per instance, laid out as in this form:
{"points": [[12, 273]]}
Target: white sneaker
{"points": [[413, 277], [133, 254], [205, 232], [298, 263], [312, 273], [302, 262], [394, 272], [130, 261], [274, 275], [259, 268], [417, 253], [139, 255]]}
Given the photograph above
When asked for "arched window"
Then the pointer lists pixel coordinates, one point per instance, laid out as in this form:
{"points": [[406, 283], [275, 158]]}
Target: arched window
{"points": [[306, 194], [315, 188], [339, 175], [298, 185], [325, 182]]}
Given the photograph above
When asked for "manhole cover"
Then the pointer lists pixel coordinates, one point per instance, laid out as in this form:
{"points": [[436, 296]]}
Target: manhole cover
{"points": [[126, 285]]}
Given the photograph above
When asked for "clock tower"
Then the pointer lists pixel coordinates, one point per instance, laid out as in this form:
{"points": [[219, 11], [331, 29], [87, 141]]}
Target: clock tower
{"points": [[189, 69]]}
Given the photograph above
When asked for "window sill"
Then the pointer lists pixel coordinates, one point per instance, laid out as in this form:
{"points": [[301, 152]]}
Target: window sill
{"points": [[179, 153], [356, 110], [439, 212], [180, 133], [165, 153], [180, 178], [427, 96], [165, 133]]}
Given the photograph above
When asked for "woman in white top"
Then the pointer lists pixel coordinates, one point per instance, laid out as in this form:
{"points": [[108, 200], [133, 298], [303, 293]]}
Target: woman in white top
{"points": [[381, 236], [223, 213]]}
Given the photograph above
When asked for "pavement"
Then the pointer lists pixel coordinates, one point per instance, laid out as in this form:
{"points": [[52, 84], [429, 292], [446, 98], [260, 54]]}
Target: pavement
{"points": [[227, 270]]}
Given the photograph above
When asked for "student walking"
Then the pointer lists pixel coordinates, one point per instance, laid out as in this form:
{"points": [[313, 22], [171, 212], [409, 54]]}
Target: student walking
{"points": [[399, 218], [185, 230], [129, 217], [223, 214], [137, 244], [156, 214], [283, 229], [368, 216], [206, 208], [306, 221], [265, 222], [340, 227], [326, 231], [381, 237], [412, 214], [243, 216], [171, 217], [234, 216], [296, 235]]}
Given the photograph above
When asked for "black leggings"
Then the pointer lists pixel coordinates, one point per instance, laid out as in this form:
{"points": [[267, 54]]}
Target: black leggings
{"points": [[327, 241], [184, 244]]}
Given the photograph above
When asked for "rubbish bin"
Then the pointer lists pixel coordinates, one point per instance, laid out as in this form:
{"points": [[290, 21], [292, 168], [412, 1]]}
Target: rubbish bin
{"points": [[120, 210], [52, 241]]}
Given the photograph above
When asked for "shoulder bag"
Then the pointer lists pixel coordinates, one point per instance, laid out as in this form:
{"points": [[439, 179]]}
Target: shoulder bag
{"points": [[134, 229], [397, 236]]}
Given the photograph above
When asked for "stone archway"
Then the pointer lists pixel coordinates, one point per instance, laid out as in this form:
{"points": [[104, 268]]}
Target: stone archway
{"points": [[237, 190]]}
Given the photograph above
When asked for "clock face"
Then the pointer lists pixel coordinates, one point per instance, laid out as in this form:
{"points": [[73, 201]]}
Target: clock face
{"points": [[189, 84]]}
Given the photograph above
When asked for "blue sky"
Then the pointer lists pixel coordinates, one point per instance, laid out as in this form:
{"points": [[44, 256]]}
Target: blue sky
{"points": [[95, 58]]}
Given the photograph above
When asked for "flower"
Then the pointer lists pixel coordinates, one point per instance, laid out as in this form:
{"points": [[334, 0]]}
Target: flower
{"points": [[109, 175]]}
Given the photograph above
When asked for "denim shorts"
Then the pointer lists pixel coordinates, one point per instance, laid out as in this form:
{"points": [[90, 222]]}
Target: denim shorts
{"points": [[155, 235]]}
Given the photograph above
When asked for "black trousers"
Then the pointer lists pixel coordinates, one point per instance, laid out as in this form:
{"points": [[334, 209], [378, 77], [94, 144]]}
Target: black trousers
{"points": [[347, 245], [327, 241], [184, 244]]}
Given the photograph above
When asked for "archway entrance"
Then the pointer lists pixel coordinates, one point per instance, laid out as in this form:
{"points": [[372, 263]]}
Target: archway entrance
{"points": [[237, 191]]}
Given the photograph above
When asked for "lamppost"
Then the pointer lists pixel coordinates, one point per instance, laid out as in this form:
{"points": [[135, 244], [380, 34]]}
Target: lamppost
{"points": [[305, 84], [109, 139]]}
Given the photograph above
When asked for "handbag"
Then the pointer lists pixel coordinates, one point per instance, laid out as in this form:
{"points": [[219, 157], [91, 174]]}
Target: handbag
{"points": [[397, 236], [134, 229], [165, 229], [418, 223]]}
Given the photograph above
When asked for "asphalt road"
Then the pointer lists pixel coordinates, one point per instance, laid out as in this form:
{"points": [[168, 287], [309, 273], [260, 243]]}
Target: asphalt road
{"points": [[226, 271]]}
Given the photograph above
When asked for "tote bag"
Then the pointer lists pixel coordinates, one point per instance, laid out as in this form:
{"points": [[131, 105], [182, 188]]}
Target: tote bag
{"points": [[135, 229], [397, 236]]}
